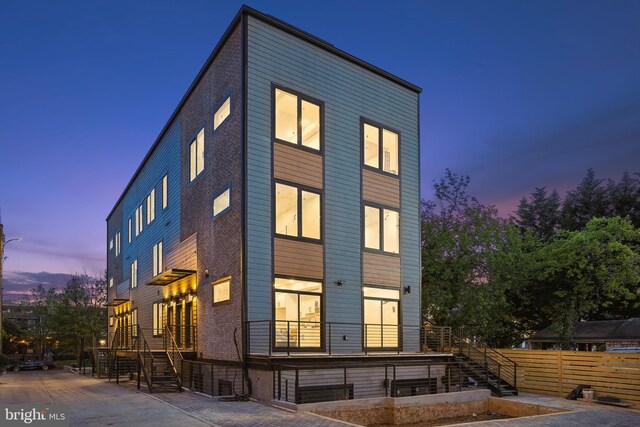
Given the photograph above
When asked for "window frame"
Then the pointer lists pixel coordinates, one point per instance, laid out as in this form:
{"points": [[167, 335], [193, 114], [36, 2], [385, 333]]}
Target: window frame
{"points": [[157, 318], [129, 235], [213, 291], [399, 314], [322, 322], [158, 259], [151, 206], [300, 188], [165, 191], [133, 284], [218, 194], [300, 97], [118, 243], [217, 108], [381, 209], [134, 316], [194, 140], [381, 129]]}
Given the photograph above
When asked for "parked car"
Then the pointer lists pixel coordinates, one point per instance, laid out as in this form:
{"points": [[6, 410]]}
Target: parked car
{"points": [[31, 365]]}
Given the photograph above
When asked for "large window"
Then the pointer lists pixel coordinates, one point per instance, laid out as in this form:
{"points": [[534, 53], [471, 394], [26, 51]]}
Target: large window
{"points": [[381, 317], [297, 212], [129, 234], [380, 148], [297, 119], [110, 282], [222, 113], [134, 322], [222, 202], [151, 206], [134, 274], [196, 156], [157, 259], [158, 313], [298, 311], [222, 290], [382, 229]]}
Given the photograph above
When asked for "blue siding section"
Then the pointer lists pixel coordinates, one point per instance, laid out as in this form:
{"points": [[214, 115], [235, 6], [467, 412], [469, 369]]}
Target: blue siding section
{"points": [[165, 160], [348, 92]]}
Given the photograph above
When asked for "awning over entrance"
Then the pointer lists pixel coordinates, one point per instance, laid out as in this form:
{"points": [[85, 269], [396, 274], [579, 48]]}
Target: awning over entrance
{"points": [[116, 302], [170, 276]]}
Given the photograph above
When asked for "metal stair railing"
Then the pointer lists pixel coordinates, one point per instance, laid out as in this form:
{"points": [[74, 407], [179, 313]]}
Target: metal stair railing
{"points": [[144, 358], [173, 354], [115, 343]]}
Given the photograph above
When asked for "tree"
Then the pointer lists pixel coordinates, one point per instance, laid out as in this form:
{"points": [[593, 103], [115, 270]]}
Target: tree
{"points": [[624, 198], [73, 313], [588, 200], [470, 257], [540, 215], [591, 274]]}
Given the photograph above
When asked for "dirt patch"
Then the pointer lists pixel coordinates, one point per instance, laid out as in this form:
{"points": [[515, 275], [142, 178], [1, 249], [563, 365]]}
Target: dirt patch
{"points": [[451, 421]]}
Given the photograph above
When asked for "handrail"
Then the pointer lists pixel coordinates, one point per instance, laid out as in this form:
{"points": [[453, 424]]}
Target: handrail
{"points": [[173, 354], [145, 359], [112, 350]]}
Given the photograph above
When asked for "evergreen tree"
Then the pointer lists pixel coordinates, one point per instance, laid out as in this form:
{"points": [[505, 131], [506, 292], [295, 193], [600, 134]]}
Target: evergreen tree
{"points": [[540, 215], [589, 200]]}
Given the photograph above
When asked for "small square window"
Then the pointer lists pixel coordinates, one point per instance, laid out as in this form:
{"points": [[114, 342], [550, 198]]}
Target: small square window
{"points": [[222, 290]]}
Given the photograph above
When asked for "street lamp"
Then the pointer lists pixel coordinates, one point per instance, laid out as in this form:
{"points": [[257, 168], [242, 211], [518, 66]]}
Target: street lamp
{"points": [[2, 245]]}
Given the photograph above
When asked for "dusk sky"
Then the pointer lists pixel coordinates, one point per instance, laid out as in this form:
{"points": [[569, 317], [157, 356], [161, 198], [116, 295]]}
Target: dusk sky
{"points": [[516, 94]]}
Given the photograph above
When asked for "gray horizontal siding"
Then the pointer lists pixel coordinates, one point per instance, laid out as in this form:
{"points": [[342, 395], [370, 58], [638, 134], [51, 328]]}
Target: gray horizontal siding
{"points": [[349, 92], [165, 160]]}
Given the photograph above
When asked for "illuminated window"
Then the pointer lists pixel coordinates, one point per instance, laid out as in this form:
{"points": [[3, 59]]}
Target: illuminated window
{"points": [[139, 221], [134, 274], [157, 259], [110, 282], [196, 156], [382, 229], [134, 322], [110, 321], [297, 120], [298, 311], [151, 206], [222, 113], [165, 192], [129, 235], [158, 313], [117, 243], [222, 290], [297, 212], [110, 244], [380, 156], [381, 317], [222, 202]]}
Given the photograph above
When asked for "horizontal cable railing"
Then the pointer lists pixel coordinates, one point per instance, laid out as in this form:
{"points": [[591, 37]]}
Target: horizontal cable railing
{"points": [[303, 384], [215, 378], [278, 337]]}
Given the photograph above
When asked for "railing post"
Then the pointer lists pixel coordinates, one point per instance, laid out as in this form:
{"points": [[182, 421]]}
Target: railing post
{"points": [[515, 376], [279, 383], [296, 386], [330, 338], [344, 383], [288, 337], [386, 381], [429, 379], [459, 376]]}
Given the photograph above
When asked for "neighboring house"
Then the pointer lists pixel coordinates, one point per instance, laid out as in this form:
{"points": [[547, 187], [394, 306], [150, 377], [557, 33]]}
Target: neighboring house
{"points": [[278, 211], [600, 335]]}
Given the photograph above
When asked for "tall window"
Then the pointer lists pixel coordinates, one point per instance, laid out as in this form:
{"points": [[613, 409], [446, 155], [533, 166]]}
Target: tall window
{"points": [[129, 234], [222, 290], [297, 212], [139, 221], [157, 259], [165, 192], [297, 120], [381, 317], [158, 312], [111, 244], [196, 156], [134, 274], [151, 206], [118, 243], [222, 113], [379, 155], [110, 282], [298, 313], [134, 322], [222, 202], [382, 229]]}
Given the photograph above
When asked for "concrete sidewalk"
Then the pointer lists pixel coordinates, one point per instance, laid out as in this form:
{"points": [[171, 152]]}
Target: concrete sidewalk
{"points": [[94, 402]]}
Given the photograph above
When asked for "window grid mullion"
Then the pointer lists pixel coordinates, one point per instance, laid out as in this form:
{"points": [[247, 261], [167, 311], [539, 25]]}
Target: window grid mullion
{"points": [[299, 124]]}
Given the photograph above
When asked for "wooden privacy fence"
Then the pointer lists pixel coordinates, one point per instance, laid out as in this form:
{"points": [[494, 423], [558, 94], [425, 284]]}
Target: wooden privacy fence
{"points": [[558, 372]]}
